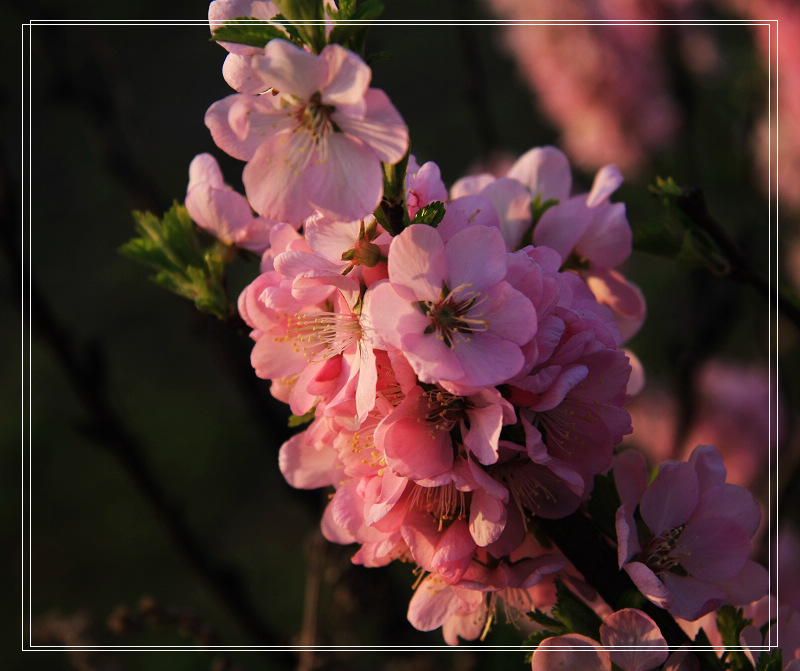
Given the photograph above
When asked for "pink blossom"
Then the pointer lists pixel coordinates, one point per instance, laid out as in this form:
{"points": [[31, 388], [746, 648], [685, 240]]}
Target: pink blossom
{"points": [[604, 86], [574, 384], [632, 641], [318, 141], [423, 185], [448, 308], [732, 411], [594, 233], [217, 208], [236, 70], [694, 556]]}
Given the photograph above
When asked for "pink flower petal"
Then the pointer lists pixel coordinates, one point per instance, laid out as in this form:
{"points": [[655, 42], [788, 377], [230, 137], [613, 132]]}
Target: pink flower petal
{"points": [[432, 360], [671, 498], [416, 450], [347, 78], [607, 240], [607, 180], [239, 124], [487, 518], [381, 128], [512, 202], [290, 69], [649, 584], [432, 604], [692, 598], [417, 263], [732, 503], [468, 246], [707, 462], [487, 360], [454, 552], [471, 185], [545, 172], [562, 226], [272, 177], [629, 628], [306, 466], [573, 652], [749, 585], [346, 183]]}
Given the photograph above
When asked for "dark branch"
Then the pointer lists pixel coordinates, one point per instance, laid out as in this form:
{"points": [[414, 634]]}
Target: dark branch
{"points": [[692, 202]]}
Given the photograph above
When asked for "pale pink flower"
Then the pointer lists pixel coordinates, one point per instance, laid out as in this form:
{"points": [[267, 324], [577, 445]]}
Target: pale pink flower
{"points": [[423, 185], [448, 308], [732, 411], [694, 556], [462, 592], [632, 641], [236, 70], [315, 143], [217, 208], [509, 199], [595, 233], [574, 384], [588, 225]]}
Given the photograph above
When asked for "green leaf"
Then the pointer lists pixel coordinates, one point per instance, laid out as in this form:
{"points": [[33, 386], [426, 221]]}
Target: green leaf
{"points": [[300, 420], [350, 27], [546, 620], [707, 658], [171, 245], [431, 214], [569, 615], [770, 661], [249, 31], [730, 622], [307, 17], [289, 28], [575, 614], [679, 234]]}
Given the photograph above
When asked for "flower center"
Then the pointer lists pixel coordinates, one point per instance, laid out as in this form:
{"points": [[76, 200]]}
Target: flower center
{"points": [[455, 315], [527, 490], [322, 335], [445, 503], [657, 553], [444, 410], [315, 117]]}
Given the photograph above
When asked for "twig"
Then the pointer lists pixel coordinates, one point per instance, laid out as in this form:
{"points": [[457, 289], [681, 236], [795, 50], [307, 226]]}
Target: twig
{"points": [[692, 202], [315, 561]]}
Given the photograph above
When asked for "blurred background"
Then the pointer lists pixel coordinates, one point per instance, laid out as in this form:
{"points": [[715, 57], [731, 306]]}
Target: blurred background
{"points": [[158, 514]]}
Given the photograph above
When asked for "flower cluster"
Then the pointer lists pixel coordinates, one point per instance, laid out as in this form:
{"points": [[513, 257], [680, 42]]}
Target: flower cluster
{"points": [[460, 385], [456, 354]]}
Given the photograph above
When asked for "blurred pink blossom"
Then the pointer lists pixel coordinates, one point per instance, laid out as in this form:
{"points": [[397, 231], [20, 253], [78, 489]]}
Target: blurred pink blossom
{"points": [[604, 86], [732, 412]]}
